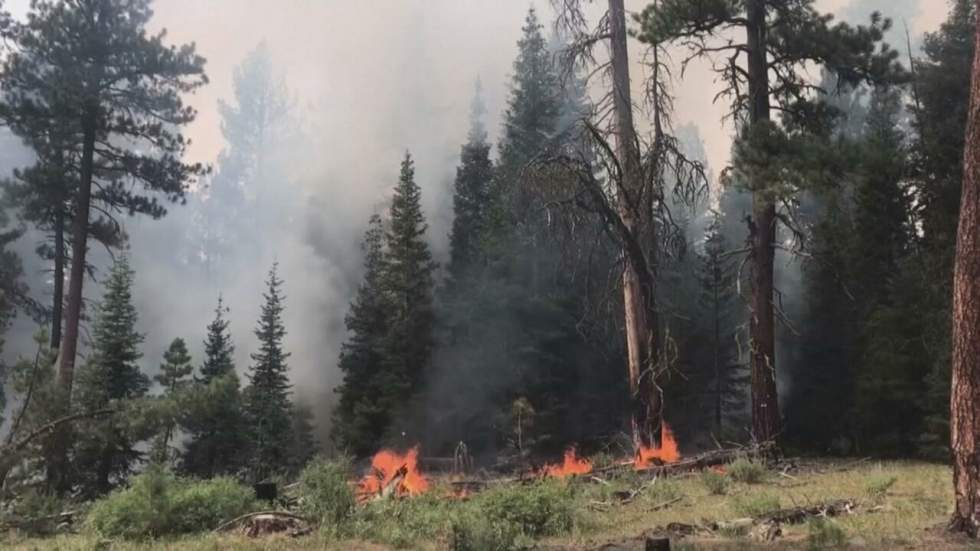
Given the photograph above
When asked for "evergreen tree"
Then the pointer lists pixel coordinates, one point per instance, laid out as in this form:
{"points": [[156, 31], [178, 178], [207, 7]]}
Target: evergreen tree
{"points": [[218, 348], [267, 396], [213, 413], [105, 455], [302, 444], [717, 304], [174, 375], [70, 62], [780, 40], [471, 193], [361, 418], [407, 280]]}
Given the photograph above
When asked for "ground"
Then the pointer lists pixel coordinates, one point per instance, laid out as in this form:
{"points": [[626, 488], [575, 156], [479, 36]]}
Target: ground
{"points": [[899, 505]]}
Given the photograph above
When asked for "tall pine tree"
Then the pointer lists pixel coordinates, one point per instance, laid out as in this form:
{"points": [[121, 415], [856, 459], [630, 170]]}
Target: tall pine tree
{"points": [[175, 374], [267, 406], [360, 419]]}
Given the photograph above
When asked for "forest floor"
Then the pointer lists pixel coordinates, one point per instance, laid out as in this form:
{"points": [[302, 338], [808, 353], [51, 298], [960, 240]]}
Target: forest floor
{"points": [[898, 505]]}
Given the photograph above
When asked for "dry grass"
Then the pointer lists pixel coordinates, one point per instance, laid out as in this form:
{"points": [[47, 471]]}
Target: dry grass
{"points": [[906, 516]]}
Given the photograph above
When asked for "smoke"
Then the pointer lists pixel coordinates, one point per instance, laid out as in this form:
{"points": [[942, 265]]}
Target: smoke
{"points": [[367, 84]]}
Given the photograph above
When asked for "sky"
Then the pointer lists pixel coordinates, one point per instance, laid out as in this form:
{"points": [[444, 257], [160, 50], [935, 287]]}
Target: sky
{"points": [[369, 80]]}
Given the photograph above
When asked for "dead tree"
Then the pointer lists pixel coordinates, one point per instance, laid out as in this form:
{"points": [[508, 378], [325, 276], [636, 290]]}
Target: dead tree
{"points": [[632, 206], [965, 395]]}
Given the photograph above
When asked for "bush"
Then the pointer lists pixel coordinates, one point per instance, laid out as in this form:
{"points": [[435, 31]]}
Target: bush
{"points": [[202, 505], [472, 531], [756, 506], [825, 534], [34, 512], [715, 482], [158, 503], [400, 522], [543, 508], [661, 490], [877, 487], [747, 471], [324, 493]]}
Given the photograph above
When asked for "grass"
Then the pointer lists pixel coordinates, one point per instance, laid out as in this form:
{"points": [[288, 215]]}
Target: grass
{"points": [[906, 515]]}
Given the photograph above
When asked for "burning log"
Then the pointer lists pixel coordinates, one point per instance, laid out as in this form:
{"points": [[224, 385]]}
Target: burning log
{"points": [[393, 474], [394, 484]]}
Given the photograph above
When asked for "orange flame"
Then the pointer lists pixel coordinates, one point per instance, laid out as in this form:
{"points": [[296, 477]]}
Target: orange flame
{"points": [[666, 453], [386, 466], [572, 465]]}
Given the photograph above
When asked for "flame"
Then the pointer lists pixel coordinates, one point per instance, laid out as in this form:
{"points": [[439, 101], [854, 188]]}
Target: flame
{"points": [[386, 466], [666, 453], [572, 465]]}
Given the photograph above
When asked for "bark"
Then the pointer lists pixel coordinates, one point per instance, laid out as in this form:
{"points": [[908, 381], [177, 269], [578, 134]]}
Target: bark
{"points": [[79, 248], [57, 305], [965, 394], [762, 234], [638, 289], [58, 467]]}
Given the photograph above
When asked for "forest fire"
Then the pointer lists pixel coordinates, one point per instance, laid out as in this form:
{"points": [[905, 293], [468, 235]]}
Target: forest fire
{"points": [[667, 452], [393, 474], [571, 465]]}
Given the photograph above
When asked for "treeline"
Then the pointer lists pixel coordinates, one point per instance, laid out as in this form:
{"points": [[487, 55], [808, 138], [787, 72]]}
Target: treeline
{"points": [[526, 350]]}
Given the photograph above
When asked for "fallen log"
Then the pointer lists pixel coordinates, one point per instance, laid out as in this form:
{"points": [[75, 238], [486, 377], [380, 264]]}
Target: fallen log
{"points": [[267, 522], [698, 462], [798, 515]]}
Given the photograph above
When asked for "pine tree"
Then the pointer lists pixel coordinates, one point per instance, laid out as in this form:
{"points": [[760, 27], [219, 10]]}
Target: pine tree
{"points": [[779, 42], [471, 193], [105, 456], [267, 396], [213, 418], [302, 444], [76, 56], [218, 348], [360, 418], [174, 375]]}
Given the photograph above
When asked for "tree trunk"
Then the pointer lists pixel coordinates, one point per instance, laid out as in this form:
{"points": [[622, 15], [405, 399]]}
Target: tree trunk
{"points": [[57, 471], [57, 303], [965, 394], [638, 292], [79, 248], [762, 234]]}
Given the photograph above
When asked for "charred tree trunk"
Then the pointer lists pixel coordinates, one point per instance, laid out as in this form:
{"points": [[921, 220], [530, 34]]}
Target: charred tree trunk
{"points": [[638, 289], [965, 395], [762, 234], [57, 303]]}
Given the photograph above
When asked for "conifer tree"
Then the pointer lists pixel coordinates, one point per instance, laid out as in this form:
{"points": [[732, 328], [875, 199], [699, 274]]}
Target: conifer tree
{"points": [[174, 375], [302, 443], [767, 71], [267, 406], [105, 455], [471, 193], [218, 348], [213, 413], [70, 61], [361, 418], [408, 283]]}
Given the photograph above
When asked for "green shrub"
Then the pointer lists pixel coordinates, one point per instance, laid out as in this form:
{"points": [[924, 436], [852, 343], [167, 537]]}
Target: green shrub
{"points": [[158, 503], [715, 482], [756, 505], [662, 490], [877, 487], [747, 471], [823, 533], [401, 522], [202, 505], [543, 508], [324, 493], [472, 531], [34, 512]]}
